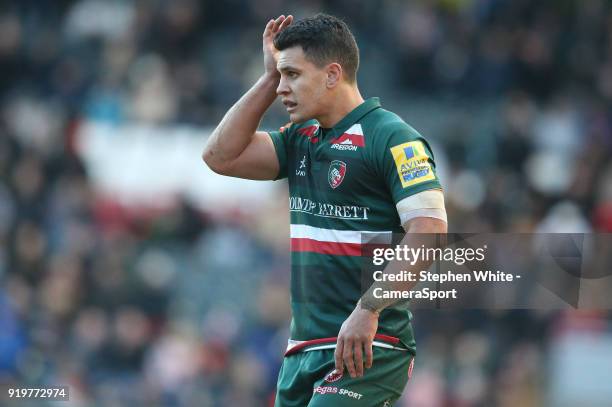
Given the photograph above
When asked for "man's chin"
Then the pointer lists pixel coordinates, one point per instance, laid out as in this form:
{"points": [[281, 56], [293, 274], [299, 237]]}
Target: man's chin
{"points": [[294, 117], [298, 118]]}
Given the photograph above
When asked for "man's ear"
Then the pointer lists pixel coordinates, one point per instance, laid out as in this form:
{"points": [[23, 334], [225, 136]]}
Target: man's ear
{"points": [[334, 74]]}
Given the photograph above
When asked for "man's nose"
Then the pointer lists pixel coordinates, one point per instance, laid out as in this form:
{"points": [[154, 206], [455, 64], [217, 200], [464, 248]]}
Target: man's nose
{"points": [[282, 88]]}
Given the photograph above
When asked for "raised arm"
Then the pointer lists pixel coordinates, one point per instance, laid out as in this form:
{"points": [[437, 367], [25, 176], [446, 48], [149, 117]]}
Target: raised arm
{"points": [[235, 148]]}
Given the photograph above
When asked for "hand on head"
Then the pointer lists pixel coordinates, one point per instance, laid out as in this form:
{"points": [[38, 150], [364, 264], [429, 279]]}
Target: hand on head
{"points": [[269, 50]]}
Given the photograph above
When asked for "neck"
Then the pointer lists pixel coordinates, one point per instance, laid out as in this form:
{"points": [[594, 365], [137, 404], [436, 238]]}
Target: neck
{"points": [[342, 103]]}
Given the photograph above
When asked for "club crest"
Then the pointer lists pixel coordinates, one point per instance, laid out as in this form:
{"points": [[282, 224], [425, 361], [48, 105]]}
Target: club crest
{"points": [[337, 171]]}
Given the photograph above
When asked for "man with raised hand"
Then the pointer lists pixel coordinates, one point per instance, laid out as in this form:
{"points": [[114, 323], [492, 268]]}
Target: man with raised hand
{"points": [[354, 169]]}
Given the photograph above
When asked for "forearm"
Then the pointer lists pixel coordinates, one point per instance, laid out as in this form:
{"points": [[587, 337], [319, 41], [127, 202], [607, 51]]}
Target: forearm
{"points": [[430, 235], [234, 132], [371, 299]]}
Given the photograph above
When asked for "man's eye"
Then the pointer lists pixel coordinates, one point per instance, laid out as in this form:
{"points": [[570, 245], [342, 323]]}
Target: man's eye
{"points": [[292, 74]]}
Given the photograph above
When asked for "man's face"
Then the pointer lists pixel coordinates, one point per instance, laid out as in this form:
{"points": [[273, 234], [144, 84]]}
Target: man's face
{"points": [[302, 85]]}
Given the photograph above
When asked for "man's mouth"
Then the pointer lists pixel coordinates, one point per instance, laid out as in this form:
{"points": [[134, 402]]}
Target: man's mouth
{"points": [[290, 105]]}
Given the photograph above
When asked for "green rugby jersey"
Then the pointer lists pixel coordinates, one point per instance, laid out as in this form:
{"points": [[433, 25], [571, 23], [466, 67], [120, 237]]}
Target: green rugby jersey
{"points": [[345, 181]]}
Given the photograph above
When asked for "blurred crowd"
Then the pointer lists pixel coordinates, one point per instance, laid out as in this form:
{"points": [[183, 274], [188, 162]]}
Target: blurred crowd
{"points": [[132, 307]]}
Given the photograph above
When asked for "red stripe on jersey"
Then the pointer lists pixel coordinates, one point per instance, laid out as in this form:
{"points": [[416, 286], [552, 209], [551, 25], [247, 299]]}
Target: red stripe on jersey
{"points": [[299, 347], [386, 338], [334, 248], [312, 342], [355, 139], [309, 132]]}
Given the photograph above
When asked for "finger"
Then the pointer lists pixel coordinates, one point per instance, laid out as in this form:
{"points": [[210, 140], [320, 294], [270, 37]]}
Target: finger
{"points": [[288, 20], [347, 357], [369, 355], [338, 356], [277, 23], [358, 358], [268, 28]]}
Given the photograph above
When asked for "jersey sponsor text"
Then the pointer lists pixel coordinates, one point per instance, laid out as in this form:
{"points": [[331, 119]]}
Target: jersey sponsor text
{"points": [[328, 210]]}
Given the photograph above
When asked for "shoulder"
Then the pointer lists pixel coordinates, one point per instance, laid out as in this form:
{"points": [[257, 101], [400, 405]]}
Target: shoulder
{"points": [[387, 127], [307, 128]]}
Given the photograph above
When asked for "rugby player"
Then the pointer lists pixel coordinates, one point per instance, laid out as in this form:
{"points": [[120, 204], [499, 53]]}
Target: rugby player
{"points": [[352, 167]]}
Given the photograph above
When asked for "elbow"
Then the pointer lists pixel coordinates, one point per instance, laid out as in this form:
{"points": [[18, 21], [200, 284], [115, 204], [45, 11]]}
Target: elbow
{"points": [[207, 157], [209, 160], [212, 158], [216, 165]]}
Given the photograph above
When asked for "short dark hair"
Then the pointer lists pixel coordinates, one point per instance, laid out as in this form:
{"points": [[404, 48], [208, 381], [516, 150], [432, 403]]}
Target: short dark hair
{"points": [[324, 39]]}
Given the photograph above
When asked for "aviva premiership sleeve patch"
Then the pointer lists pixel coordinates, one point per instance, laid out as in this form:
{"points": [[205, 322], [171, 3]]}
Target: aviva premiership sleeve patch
{"points": [[412, 163]]}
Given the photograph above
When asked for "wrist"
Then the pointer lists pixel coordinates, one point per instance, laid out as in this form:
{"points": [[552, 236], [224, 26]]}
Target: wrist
{"points": [[364, 305], [272, 78]]}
